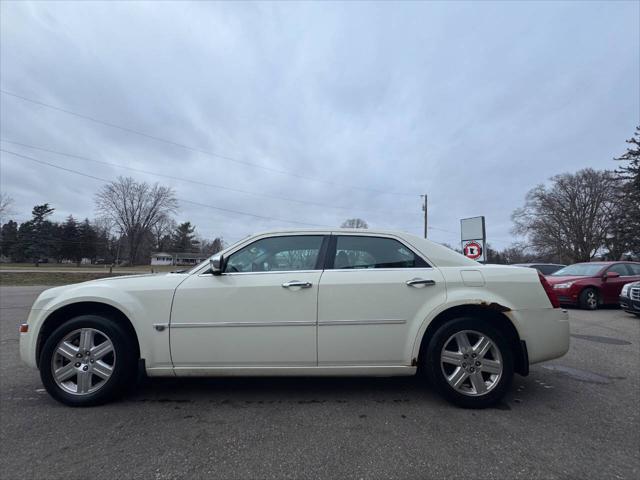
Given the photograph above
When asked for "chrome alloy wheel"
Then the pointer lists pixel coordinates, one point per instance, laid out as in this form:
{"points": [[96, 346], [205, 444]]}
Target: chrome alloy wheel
{"points": [[83, 361], [471, 363], [592, 300]]}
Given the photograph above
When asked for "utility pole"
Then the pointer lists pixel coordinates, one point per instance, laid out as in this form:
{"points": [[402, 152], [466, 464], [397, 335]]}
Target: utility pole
{"points": [[424, 209]]}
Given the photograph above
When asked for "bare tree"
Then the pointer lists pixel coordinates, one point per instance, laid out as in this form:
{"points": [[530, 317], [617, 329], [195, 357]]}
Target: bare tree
{"points": [[161, 232], [135, 208], [354, 223], [213, 247], [5, 205], [571, 218]]}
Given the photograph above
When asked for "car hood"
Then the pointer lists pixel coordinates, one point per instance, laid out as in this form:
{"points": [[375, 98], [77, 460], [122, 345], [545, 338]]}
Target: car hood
{"points": [[124, 283]]}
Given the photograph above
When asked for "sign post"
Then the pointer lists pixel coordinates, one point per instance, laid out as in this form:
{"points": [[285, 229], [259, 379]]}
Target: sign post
{"points": [[473, 238]]}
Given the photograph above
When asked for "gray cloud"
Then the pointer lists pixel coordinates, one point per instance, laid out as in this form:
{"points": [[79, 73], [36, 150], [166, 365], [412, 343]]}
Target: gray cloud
{"points": [[474, 103]]}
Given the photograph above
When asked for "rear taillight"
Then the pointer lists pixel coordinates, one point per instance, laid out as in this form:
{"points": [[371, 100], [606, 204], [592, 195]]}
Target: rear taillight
{"points": [[550, 293]]}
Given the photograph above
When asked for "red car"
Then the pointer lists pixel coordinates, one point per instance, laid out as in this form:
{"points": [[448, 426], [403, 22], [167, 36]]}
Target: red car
{"points": [[591, 284]]}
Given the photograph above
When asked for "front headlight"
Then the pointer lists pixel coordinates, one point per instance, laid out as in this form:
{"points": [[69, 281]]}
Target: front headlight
{"points": [[625, 290], [562, 286]]}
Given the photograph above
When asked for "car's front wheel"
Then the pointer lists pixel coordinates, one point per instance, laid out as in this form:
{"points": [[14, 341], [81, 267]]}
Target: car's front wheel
{"points": [[589, 299], [88, 360], [469, 362]]}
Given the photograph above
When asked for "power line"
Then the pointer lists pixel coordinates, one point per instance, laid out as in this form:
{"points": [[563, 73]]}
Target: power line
{"points": [[237, 212], [70, 170], [192, 181], [198, 150]]}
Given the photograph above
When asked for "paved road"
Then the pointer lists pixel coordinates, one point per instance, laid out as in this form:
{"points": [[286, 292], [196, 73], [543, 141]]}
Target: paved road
{"points": [[576, 417]]}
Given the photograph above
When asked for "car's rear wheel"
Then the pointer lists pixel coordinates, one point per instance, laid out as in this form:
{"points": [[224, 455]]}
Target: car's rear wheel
{"points": [[469, 362], [88, 360], [589, 299]]}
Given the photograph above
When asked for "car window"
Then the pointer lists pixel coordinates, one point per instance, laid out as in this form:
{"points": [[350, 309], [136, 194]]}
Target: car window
{"points": [[635, 268], [547, 269], [354, 252], [579, 270], [276, 254], [620, 268]]}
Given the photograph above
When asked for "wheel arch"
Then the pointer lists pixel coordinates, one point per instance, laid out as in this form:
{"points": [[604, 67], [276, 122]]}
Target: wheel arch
{"points": [[69, 311], [491, 313]]}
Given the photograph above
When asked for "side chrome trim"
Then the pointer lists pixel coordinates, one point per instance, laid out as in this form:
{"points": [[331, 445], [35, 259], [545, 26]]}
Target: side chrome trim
{"points": [[390, 321], [244, 324]]}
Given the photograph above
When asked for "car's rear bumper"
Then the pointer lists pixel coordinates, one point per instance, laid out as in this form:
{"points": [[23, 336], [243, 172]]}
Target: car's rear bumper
{"points": [[545, 331]]}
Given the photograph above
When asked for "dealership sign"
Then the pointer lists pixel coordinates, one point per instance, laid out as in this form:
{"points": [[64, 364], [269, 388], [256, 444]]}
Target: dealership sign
{"points": [[473, 249], [473, 237]]}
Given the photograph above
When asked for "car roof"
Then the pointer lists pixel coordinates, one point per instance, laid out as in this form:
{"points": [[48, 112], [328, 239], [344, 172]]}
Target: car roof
{"points": [[603, 263], [539, 263], [329, 229]]}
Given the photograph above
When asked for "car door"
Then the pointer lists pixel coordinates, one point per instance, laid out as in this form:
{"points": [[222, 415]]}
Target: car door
{"points": [[374, 294], [611, 287], [261, 311]]}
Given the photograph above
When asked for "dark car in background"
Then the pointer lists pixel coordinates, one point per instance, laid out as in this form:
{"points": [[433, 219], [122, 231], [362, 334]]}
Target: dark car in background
{"points": [[592, 284], [630, 298], [543, 268]]}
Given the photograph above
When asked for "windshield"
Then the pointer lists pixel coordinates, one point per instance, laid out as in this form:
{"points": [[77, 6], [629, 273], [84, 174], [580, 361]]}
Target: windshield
{"points": [[579, 270]]}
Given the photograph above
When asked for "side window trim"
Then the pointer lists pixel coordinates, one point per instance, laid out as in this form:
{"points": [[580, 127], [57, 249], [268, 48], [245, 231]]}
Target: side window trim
{"points": [[322, 254], [331, 253]]}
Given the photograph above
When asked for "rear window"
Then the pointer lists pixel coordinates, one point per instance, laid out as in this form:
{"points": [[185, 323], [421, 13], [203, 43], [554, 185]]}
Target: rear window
{"points": [[547, 269]]}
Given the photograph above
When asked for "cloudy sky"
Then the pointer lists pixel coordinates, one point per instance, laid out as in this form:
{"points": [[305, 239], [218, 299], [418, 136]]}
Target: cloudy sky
{"points": [[314, 112]]}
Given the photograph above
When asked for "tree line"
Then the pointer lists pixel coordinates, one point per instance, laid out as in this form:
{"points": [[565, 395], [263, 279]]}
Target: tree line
{"points": [[134, 219], [575, 218]]}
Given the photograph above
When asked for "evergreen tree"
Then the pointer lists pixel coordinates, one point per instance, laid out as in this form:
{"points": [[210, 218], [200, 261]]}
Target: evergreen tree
{"points": [[625, 236], [184, 238], [40, 244], [9, 239], [87, 240], [69, 240]]}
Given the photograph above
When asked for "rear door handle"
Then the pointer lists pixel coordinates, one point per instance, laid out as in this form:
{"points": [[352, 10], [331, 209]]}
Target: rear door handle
{"points": [[420, 282], [296, 283]]}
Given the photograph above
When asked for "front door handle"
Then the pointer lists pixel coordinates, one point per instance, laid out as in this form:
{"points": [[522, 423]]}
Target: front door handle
{"points": [[296, 283], [420, 282]]}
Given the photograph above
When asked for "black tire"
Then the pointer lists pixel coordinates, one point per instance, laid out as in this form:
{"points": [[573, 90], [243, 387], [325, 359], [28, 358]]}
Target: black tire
{"points": [[589, 299], [124, 368], [434, 369]]}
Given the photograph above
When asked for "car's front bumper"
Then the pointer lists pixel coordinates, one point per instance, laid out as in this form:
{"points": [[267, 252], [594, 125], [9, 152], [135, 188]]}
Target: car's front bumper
{"points": [[29, 339], [629, 305], [566, 296], [545, 331]]}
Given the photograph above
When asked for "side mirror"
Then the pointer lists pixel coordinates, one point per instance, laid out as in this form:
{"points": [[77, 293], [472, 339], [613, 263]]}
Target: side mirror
{"points": [[217, 265], [611, 275]]}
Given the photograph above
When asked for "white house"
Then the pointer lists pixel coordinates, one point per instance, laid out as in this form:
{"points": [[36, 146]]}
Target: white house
{"points": [[177, 258]]}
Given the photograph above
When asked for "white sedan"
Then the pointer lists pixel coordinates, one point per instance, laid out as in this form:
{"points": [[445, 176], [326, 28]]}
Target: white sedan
{"points": [[343, 302]]}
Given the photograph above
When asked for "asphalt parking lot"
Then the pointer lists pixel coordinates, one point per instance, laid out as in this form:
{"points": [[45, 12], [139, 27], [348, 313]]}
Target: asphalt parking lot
{"points": [[575, 417]]}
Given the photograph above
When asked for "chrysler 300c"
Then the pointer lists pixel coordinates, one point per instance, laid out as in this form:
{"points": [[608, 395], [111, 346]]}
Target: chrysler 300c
{"points": [[343, 302]]}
